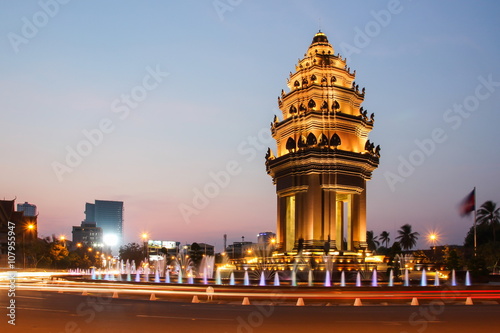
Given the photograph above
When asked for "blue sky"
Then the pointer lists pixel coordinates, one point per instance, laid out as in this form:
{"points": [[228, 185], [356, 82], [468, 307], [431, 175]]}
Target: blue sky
{"points": [[227, 62]]}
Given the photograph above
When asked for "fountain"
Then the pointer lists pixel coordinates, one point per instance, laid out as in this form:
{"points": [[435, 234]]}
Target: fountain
{"points": [[423, 279], [407, 278], [179, 277], [207, 268], [453, 278], [436, 279], [127, 267], [231, 279], [190, 277], [328, 280], [262, 279], [276, 279], [374, 278], [294, 278], [137, 276], [467, 279], [129, 277], [93, 275], [246, 280], [358, 279], [328, 269], [310, 278], [157, 276], [205, 275], [391, 278], [167, 276], [218, 279], [342, 279]]}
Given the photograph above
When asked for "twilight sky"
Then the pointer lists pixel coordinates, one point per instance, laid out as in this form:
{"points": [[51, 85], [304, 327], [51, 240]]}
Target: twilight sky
{"points": [[148, 101]]}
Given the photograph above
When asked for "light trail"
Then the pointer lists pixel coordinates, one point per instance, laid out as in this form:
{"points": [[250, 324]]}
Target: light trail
{"points": [[253, 292]]}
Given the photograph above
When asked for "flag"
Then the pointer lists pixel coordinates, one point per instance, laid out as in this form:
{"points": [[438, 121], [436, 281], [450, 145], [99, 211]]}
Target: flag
{"points": [[468, 204]]}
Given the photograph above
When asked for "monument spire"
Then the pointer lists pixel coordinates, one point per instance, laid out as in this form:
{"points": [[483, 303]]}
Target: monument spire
{"points": [[323, 157]]}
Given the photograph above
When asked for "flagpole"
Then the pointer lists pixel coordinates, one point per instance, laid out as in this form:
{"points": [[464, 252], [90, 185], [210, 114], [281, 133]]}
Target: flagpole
{"points": [[475, 238]]}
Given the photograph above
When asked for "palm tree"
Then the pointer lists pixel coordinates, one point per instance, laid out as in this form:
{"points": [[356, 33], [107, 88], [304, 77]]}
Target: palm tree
{"points": [[488, 214], [384, 238], [371, 240], [407, 238]]}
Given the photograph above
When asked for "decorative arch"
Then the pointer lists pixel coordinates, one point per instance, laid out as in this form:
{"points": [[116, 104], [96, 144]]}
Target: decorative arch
{"points": [[323, 140], [290, 144], [333, 79], [311, 140], [324, 106], [302, 107], [293, 109], [335, 105], [335, 140], [296, 83], [311, 104], [313, 78]]}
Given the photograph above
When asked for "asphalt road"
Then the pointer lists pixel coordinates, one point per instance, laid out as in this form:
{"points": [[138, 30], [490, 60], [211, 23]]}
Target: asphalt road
{"points": [[44, 311]]}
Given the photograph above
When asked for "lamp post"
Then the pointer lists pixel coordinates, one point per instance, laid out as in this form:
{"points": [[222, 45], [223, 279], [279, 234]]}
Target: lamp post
{"points": [[62, 238], [145, 237], [433, 239], [28, 228]]}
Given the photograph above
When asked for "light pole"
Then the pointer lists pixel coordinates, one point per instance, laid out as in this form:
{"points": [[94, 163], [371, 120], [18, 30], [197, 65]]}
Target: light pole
{"points": [[62, 238], [433, 239], [28, 228], [145, 237]]}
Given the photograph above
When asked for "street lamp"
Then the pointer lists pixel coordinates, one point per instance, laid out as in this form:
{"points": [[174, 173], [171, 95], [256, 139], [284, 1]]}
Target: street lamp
{"points": [[433, 239], [145, 237], [29, 227], [62, 238]]}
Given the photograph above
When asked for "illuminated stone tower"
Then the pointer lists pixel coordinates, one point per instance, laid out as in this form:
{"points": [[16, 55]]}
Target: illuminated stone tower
{"points": [[323, 157]]}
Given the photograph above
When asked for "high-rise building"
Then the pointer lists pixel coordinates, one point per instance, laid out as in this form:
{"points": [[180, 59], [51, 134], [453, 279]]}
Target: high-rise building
{"points": [[265, 238], [89, 212], [27, 208], [108, 215], [323, 157], [87, 235]]}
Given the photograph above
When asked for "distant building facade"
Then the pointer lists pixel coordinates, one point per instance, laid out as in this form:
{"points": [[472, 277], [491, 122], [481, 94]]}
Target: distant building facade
{"points": [[87, 235], [157, 248], [265, 238], [25, 229], [239, 249], [27, 208], [107, 215]]}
